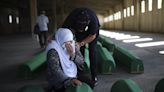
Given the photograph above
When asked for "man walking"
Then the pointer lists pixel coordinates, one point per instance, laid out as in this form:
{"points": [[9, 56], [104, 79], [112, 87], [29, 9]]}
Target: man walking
{"points": [[42, 22]]}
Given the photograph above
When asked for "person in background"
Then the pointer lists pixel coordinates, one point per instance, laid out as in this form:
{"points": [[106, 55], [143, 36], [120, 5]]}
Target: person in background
{"points": [[42, 21], [64, 62], [86, 26]]}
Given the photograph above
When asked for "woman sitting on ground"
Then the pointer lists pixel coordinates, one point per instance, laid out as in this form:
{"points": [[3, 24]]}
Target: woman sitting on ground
{"points": [[64, 61]]}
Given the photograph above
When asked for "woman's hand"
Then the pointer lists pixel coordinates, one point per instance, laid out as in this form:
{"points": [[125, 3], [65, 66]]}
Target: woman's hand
{"points": [[69, 48], [76, 82]]}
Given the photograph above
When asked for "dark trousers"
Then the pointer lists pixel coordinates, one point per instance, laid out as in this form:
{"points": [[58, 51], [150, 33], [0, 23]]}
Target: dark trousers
{"points": [[92, 57], [43, 38], [86, 79]]}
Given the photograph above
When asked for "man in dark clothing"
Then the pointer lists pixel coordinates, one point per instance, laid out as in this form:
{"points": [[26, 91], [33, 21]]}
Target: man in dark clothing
{"points": [[86, 25]]}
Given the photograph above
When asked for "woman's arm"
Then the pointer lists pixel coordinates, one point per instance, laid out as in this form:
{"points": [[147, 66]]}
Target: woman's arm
{"points": [[79, 59], [56, 76]]}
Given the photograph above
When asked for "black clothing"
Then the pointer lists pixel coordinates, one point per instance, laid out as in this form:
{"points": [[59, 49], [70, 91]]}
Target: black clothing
{"points": [[43, 38], [93, 25]]}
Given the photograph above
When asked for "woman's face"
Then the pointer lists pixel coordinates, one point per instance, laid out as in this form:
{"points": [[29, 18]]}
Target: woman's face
{"points": [[69, 47]]}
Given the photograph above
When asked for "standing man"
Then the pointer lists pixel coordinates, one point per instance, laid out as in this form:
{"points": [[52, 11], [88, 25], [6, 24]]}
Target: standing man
{"points": [[42, 22], [85, 25]]}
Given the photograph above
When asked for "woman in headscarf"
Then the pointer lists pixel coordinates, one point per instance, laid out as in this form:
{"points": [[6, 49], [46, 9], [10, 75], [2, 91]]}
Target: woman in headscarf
{"points": [[64, 60]]}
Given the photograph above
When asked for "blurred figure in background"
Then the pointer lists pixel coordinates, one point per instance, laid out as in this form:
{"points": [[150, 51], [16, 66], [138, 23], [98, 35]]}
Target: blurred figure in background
{"points": [[42, 21]]}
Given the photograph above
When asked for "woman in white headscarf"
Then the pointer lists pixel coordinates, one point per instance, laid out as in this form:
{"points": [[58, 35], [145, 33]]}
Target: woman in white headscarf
{"points": [[64, 60]]}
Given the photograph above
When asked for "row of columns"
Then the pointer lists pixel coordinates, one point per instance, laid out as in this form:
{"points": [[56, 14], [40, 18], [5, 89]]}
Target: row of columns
{"points": [[136, 21]]}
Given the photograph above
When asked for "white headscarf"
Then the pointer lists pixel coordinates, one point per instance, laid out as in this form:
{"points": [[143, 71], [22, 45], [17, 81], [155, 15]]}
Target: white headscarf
{"points": [[63, 35]]}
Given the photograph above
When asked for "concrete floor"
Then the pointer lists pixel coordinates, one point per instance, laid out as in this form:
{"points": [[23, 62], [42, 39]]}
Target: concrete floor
{"points": [[16, 49]]}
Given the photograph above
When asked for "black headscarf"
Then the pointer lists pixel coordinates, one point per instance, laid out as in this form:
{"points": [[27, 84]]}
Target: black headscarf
{"points": [[82, 20]]}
